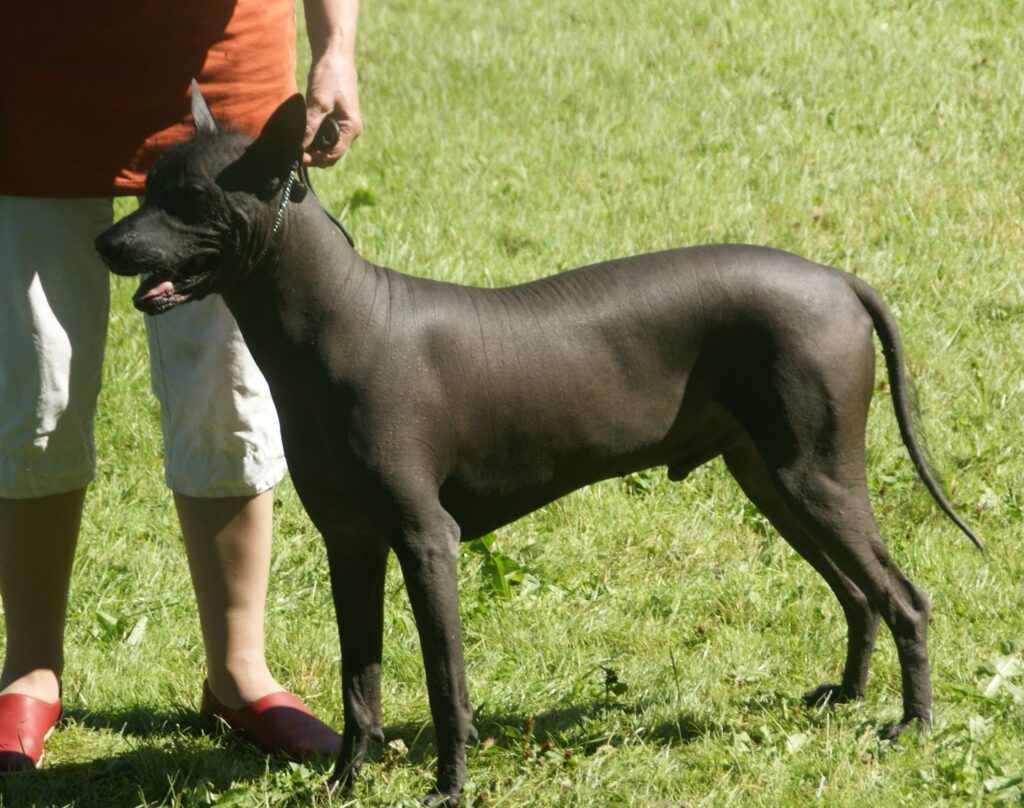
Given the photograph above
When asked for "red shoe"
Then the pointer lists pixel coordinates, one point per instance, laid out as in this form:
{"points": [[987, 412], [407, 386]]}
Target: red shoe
{"points": [[279, 724], [25, 724]]}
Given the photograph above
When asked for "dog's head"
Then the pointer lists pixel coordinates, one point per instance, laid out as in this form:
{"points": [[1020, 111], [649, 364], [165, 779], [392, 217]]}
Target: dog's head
{"points": [[208, 210]]}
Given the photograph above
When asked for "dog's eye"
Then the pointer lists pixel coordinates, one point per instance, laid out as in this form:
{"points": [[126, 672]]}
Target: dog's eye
{"points": [[191, 194], [187, 203]]}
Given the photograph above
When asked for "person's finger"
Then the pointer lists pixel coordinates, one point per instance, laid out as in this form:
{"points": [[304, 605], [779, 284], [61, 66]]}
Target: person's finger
{"points": [[324, 154]]}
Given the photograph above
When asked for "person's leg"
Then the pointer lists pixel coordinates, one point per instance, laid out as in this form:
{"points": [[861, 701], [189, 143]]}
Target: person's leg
{"points": [[37, 545], [53, 317], [228, 544], [222, 455]]}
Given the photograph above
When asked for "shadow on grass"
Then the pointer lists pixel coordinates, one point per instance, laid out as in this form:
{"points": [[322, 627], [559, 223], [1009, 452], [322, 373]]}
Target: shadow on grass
{"points": [[172, 754], [583, 727], [142, 722], [144, 775], [183, 757], [590, 726]]}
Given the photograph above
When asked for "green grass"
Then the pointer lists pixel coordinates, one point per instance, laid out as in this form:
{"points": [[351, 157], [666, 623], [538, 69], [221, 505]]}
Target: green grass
{"points": [[505, 141]]}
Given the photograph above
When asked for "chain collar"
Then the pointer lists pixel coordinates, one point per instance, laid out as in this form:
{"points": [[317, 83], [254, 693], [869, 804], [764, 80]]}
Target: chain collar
{"points": [[299, 173]]}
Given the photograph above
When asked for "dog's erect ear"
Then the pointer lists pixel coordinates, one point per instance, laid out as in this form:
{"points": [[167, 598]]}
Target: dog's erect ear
{"points": [[201, 115], [280, 142], [270, 158]]}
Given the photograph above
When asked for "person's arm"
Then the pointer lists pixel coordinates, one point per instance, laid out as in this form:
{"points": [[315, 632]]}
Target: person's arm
{"points": [[332, 89]]}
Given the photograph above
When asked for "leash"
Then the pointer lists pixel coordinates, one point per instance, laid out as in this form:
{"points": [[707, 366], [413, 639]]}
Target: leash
{"points": [[327, 135]]}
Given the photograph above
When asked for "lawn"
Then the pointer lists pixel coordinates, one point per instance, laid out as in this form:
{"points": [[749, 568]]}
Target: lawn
{"points": [[653, 639]]}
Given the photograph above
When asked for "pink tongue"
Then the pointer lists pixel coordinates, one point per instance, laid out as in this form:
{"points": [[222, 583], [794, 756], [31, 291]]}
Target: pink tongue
{"points": [[162, 289]]}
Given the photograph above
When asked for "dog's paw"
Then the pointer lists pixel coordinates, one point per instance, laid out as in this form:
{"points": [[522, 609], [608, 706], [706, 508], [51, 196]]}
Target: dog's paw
{"points": [[338, 788], [913, 724], [435, 799], [823, 695], [343, 778], [828, 694]]}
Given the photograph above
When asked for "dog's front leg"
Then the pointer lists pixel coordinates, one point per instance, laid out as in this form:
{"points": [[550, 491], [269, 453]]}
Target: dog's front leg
{"points": [[358, 565], [427, 549]]}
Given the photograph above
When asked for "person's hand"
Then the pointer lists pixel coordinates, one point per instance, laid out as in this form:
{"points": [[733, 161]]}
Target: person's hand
{"points": [[332, 91]]}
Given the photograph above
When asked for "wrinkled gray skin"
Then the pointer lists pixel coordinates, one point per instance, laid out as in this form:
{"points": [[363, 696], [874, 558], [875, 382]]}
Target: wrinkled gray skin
{"points": [[418, 414]]}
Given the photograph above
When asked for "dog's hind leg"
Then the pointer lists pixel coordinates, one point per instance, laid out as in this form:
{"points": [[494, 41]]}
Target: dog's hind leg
{"points": [[358, 565], [802, 397], [427, 549], [754, 478], [834, 510]]}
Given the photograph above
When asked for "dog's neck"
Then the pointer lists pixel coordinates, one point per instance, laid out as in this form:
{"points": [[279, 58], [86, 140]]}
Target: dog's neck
{"points": [[310, 279]]}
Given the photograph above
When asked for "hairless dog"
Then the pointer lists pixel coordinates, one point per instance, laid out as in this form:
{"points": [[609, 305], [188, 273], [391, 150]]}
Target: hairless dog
{"points": [[417, 414]]}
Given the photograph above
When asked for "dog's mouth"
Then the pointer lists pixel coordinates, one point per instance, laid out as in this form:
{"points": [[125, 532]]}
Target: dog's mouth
{"points": [[158, 293]]}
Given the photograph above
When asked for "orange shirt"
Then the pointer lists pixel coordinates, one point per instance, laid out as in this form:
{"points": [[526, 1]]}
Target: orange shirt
{"points": [[91, 92]]}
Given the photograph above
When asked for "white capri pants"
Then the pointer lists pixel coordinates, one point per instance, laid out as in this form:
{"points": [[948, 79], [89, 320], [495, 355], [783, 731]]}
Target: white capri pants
{"points": [[220, 429]]}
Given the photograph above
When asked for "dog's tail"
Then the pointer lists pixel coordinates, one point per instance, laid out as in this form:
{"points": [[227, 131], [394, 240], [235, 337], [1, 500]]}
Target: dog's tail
{"points": [[904, 399]]}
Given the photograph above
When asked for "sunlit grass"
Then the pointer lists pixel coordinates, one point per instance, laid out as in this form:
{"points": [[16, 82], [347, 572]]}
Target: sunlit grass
{"points": [[505, 141]]}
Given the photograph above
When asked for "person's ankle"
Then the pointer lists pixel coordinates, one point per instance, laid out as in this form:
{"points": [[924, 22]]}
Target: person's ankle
{"points": [[235, 686], [39, 683]]}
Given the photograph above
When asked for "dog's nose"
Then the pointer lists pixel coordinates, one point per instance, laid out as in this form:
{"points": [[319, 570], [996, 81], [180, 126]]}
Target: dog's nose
{"points": [[106, 244], [111, 247]]}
